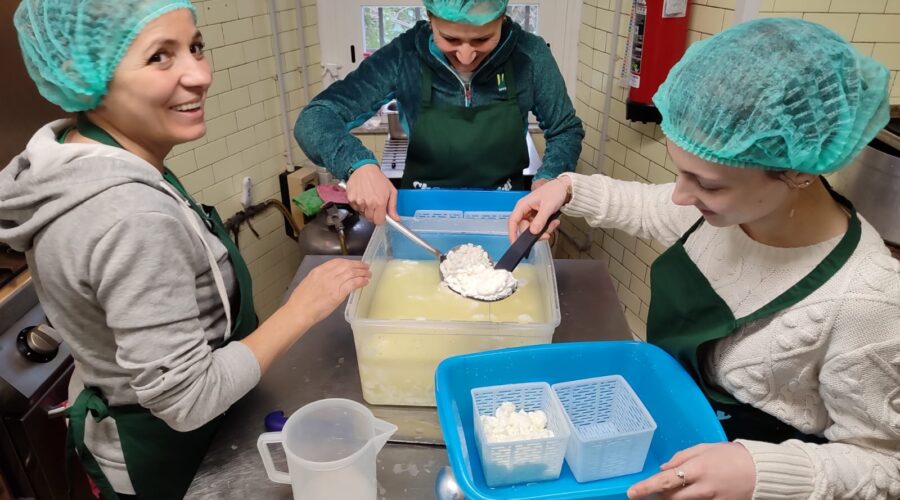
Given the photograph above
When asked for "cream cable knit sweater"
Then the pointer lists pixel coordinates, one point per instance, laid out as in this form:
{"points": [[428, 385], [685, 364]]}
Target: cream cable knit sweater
{"points": [[828, 365]]}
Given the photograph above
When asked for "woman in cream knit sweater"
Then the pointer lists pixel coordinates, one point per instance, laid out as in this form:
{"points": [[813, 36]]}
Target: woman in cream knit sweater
{"points": [[775, 295]]}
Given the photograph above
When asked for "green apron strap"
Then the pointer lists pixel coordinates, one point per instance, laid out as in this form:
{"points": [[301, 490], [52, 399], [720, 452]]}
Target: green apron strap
{"points": [[427, 79], [90, 401], [683, 324], [480, 147], [171, 179], [690, 231], [245, 319], [835, 259], [245, 315], [88, 129]]}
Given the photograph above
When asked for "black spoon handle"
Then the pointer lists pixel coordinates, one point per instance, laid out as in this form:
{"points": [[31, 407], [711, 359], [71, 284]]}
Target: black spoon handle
{"points": [[518, 250]]}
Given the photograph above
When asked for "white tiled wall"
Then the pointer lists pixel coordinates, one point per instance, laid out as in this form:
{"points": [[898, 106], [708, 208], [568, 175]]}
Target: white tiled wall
{"points": [[872, 25], [637, 151], [244, 136]]}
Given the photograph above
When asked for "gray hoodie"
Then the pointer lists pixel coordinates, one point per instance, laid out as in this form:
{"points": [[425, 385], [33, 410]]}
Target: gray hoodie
{"points": [[126, 281]]}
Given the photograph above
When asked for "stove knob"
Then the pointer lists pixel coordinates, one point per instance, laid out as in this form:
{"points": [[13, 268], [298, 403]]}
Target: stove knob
{"points": [[37, 343]]}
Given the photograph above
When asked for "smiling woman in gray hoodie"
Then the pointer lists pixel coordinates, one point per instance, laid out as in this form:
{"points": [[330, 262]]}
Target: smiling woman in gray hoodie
{"points": [[142, 282]]}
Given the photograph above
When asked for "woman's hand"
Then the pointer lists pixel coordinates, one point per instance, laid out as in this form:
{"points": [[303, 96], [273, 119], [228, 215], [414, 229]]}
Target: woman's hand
{"points": [[721, 471], [326, 286], [536, 207], [323, 289], [372, 194]]}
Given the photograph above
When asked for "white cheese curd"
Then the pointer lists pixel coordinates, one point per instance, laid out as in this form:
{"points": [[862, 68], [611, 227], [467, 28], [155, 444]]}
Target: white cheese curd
{"points": [[468, 271], [465, 259], [507, 425]]}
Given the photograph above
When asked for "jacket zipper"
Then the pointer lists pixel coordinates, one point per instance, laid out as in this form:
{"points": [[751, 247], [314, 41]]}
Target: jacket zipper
{"points": [[467, 87]]}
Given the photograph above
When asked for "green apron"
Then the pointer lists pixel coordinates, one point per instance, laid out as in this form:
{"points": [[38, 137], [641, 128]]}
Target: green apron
{"points": [[462, 147], [161, 462], [687, 315]]}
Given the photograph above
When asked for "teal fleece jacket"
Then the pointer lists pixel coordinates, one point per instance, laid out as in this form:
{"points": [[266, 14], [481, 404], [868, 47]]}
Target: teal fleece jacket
{"points": [[395, 72]]}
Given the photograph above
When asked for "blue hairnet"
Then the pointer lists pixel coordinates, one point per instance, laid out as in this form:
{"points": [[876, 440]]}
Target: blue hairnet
{"points": [[774, 93], [477, 12], [72, 47]]}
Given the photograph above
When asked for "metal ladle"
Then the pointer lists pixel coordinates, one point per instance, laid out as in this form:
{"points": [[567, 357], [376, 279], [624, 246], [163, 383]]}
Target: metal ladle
{"points": [[508, 262], [412, 236], [415, 238], [441, 257]]}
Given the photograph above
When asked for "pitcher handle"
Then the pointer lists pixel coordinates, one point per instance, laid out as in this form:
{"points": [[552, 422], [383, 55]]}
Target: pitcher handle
{"points": [[262, 444]]}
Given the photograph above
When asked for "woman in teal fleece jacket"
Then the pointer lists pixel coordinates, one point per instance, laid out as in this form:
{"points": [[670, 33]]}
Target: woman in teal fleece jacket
{"points": [[464, 83]]}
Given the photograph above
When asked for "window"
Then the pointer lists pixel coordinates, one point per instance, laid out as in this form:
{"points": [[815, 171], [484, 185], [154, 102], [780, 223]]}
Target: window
{"points": [[383, 24], [526, 16], [351, 30]]}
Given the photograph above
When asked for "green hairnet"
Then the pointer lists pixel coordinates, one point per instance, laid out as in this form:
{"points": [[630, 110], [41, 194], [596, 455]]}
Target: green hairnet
{"points": [[477, 12], [774, 93], [72, 47]]}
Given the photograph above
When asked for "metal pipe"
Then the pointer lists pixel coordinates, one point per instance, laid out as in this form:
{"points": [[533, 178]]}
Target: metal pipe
{"points": [[405, 231], [301, 36], [380, 27], [282, 91], [604, 127]]}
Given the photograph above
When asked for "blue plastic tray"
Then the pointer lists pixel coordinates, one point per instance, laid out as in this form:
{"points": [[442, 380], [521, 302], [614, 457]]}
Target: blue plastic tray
{"points": [[683, 416], [410, 200], [403, 248]]}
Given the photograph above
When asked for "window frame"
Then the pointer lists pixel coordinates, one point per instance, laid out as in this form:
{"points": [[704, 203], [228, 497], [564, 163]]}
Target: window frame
{"points": [[341, 26]]}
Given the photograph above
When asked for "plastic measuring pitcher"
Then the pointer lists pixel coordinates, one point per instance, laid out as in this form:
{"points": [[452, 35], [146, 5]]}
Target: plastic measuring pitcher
{"points": [[331, 445]]}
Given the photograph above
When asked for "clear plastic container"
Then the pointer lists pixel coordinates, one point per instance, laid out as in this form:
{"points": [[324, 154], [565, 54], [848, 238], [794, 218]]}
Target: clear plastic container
{"points": [[331, 447], [520, 461], [397, 357], [611, 430]]}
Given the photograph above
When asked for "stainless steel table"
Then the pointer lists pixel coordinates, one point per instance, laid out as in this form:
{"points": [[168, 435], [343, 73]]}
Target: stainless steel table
{"points": [[322, 364]]}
